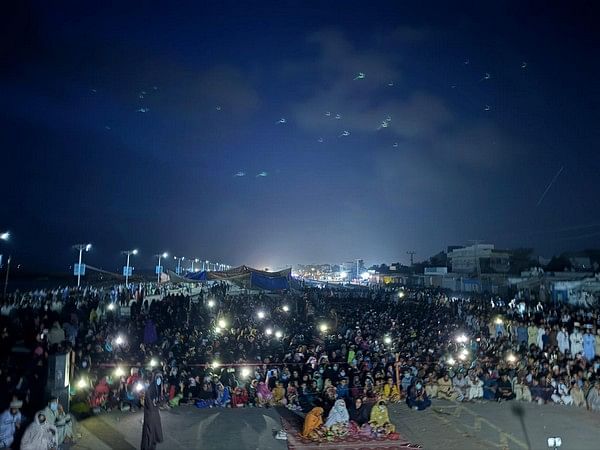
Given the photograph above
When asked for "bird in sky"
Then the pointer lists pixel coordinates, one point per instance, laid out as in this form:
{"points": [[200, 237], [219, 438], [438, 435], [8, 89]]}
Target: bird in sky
{"points": [[320, 140], [155, 88], [141, 96], [487, 108], [241, 173], [486, 76], [391, 83], [344, 133], [523, 65], [328, 113], [143, 110], [107, 127], [466, 62], [388, 119], [282, 120], [383, 124], [262, 174], [218, 108], [360, 76], [338, 116], [94, 91], [395, 144]]}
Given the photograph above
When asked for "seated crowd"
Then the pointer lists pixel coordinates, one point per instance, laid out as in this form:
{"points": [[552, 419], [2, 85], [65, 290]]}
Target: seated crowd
{"points": [[339, 355]]}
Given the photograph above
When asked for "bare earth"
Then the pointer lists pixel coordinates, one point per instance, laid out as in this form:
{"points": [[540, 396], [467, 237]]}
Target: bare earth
{"points": [[446, 425]]}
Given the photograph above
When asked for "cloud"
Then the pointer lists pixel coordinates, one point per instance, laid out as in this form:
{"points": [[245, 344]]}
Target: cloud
{"points": [[363, 104]]}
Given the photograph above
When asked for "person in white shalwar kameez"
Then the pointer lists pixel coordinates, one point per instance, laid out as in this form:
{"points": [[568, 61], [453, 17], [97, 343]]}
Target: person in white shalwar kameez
{"points": [[563, 340], [475, 387], [576, 339]]}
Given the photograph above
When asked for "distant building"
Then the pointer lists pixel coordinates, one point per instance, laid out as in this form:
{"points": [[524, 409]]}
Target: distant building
{"points": [[479, 258]]}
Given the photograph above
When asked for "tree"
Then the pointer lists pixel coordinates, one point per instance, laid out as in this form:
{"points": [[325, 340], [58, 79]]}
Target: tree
{"points": [[521, 260], [558, 264]]}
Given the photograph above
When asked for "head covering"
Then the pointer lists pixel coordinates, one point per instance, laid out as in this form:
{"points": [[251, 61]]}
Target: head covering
{"points": [[379, 414], [338, 414], [16, 404], [312, 421]]}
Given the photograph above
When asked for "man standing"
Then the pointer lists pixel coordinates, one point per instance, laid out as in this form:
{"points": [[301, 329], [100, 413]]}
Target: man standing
{"points": [[152, 428], [576, 341], [563, 340], [589, 345], [10, 422]]}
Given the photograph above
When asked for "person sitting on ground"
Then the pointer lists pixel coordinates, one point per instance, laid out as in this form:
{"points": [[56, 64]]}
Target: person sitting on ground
{"points": [[56, 416], [338, 419], [391, 393], [417, 397], [263, 395], [505, 390], [577, 395], [522, 391], [359, 412], [10, 422], [475, 390], [40, 435], [279, 394], [445, 389], [312, 422], [380, 419], [459, 383]]}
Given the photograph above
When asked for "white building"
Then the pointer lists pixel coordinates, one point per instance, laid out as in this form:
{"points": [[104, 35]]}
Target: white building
{"points": [[479, 258]]}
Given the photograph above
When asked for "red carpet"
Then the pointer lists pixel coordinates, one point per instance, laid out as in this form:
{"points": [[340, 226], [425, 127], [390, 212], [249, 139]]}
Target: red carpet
{"points": [[296, 442]]}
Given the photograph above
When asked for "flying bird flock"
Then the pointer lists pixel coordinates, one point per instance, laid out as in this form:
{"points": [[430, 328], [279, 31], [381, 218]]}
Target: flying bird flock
{"points": [[359, 77]]}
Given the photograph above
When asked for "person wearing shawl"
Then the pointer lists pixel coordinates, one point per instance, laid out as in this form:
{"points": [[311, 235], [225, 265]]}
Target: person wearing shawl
{"points": [[279, 394], [593, 398], [417, 397], [240, 397], [380, 420], [40, 435], [263, 394], [56, 416], [223, 397], [152, 428], [358, 412], [312, 421], [390, 391], [338, 414]]}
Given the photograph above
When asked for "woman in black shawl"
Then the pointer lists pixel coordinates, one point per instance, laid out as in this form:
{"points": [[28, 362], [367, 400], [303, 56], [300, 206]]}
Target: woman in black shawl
{"points": [[152, 428]]}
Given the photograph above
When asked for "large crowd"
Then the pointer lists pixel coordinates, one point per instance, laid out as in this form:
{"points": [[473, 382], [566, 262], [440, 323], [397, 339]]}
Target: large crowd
{"points": [[338, 355]]}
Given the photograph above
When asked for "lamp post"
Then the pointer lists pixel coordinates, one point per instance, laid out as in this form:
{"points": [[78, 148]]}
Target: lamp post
{"points": [[5, 237], [207, 265], [194, 261], [81, 248], [159, 268], [127, 268], [179, 263]]}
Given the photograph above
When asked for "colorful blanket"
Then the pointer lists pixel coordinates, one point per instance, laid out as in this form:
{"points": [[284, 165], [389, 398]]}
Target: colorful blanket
{"points": [[349, 441]]}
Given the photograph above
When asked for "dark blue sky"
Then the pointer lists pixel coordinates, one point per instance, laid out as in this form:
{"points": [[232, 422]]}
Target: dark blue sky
{"points": [[80, 163]]}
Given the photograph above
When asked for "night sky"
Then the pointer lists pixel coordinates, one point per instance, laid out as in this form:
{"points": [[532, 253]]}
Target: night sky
{"points": [[125, 126]]}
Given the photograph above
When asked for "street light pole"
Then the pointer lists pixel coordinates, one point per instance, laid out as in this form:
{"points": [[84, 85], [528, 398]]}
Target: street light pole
{"points": [[128, 253], [6, 278], [159, 268], [81, 248]]}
